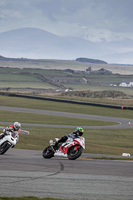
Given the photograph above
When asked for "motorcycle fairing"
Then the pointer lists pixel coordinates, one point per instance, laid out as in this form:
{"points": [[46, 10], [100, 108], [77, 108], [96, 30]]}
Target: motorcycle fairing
{"points": [[65, 146]]}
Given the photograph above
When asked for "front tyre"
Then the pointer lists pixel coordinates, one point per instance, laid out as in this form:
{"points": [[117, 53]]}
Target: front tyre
{"points": [[48, 152], [74, 154], [4, 147]]}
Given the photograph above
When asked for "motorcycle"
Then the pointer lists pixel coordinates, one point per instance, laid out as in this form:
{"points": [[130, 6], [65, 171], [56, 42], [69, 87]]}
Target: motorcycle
{"points": [[72, 148], [8, 141]]}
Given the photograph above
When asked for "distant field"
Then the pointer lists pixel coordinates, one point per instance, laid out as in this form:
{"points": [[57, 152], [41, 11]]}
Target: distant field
{"points": [[128, 91], [54, 79], [68, 64], [19, 84]]}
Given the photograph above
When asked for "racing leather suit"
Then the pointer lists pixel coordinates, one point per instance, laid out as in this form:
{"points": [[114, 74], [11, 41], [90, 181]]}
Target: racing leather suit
{"points": [[10, 129], [64, 138]]}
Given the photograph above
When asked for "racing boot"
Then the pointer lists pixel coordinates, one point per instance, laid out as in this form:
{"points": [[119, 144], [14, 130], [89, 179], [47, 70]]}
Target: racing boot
{"points": [[59, 142]]}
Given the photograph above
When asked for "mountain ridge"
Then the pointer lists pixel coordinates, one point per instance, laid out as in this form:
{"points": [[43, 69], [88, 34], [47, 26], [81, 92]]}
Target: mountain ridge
{"points": [[36, 43]]}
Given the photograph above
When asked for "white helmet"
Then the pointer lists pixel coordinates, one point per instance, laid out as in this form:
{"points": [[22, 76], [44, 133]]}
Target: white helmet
{"points": [[17, 125]]}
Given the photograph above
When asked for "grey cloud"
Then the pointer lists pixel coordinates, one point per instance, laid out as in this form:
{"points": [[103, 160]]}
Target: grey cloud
{"points": [[64, 16], [113, 15]]}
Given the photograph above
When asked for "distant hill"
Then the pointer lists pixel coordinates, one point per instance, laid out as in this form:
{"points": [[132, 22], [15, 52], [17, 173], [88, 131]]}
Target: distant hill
{"points": [[36, 43], [39, 44], [91, 60], [3, 58]]}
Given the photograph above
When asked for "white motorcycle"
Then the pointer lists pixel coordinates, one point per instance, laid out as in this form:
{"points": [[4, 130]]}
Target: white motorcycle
{"points": [[72, 148], [9, 140]]}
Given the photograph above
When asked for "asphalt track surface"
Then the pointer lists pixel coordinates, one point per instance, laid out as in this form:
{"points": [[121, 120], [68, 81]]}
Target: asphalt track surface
{"points": [[26, 172]]}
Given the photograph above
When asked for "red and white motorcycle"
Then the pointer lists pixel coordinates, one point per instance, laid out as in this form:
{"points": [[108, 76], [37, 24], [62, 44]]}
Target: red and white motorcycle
{"points": [[72, 148]]}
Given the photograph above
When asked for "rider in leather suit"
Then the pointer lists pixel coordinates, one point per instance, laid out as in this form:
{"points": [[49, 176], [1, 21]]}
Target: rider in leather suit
{"points": [[13, 128], [78, 132]]}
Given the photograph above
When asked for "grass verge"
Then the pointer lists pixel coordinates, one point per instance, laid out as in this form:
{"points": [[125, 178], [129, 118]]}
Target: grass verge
{"points": [[64, 107], [112, 158], [24, 117]]}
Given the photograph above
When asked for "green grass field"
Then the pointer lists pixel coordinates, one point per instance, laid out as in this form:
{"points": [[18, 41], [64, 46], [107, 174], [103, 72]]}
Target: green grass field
{"points": [[64, 107], [99, 141], [9, 116]]}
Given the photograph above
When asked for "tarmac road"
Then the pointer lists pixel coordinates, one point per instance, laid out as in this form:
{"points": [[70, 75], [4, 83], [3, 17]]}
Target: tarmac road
{"points": [[26, 173]]}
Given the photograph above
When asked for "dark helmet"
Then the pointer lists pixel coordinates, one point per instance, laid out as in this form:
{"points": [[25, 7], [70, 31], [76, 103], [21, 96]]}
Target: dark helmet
{"points": [[79, 131]]}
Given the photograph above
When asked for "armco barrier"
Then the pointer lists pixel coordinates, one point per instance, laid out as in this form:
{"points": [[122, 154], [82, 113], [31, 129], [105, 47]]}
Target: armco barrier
{"points": [[66, 101]]}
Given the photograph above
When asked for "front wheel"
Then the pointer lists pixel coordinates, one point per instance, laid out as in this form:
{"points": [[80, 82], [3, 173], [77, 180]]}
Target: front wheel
{"points": [[74, 153], [48, 152], [4, 147]]}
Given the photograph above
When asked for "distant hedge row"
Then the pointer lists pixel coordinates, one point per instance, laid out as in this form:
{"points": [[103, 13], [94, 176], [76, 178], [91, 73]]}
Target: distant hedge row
{"points": [[91, 60]]}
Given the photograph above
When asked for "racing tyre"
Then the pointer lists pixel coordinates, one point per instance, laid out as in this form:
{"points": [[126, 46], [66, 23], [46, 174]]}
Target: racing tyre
{"points": [[4, 147], [48, 152], [74, 154]]}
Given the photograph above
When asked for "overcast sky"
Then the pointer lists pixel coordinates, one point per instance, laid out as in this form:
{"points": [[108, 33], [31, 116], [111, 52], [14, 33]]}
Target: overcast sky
{"points": [[94, 20]]}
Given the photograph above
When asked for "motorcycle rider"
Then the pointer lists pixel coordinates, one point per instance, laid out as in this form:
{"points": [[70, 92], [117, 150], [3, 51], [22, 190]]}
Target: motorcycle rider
{"points": [[77, 133], [12, 128]]}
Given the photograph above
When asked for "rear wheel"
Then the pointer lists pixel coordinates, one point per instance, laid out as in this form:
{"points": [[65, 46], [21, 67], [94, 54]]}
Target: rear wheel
{"points": [[4, 147], [48, 152]]}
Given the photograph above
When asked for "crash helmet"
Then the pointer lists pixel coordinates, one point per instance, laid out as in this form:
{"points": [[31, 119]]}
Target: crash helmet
{"points": [[79, 131], [17, 126]]}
